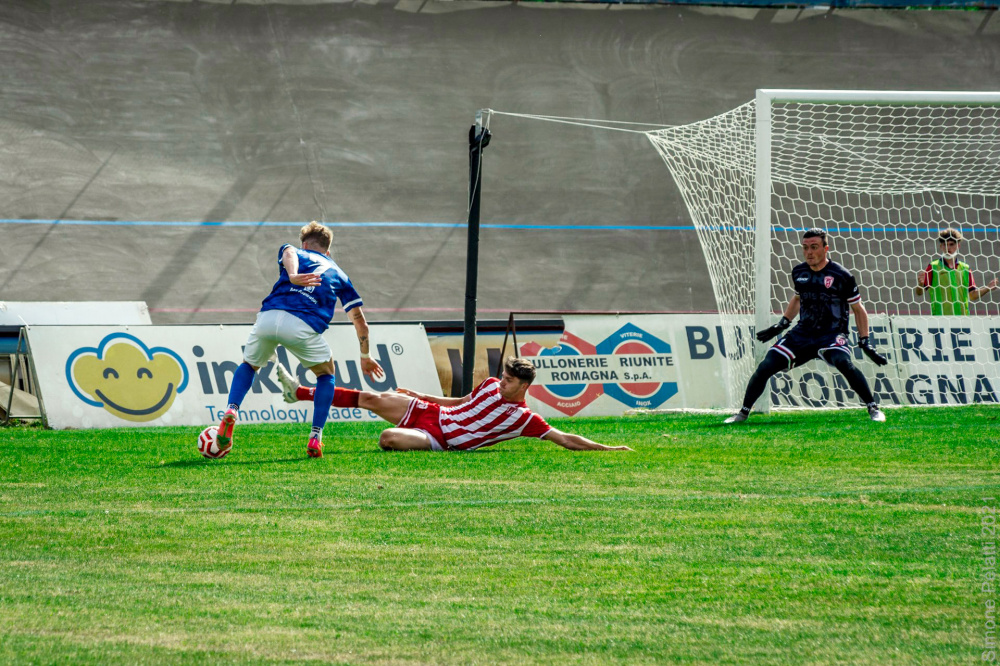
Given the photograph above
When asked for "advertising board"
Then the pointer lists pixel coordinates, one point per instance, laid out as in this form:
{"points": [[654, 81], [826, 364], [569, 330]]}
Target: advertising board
{"points": [[605, 365], [114, 376], [608, 364]]}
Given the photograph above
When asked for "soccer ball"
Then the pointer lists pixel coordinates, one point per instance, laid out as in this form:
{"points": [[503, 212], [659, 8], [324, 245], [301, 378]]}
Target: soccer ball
{"points": [[207, 445]]}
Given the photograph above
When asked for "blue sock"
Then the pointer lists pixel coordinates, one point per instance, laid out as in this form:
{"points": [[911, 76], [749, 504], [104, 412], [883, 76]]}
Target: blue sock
{"points": [[242, 381], [322, 401]]}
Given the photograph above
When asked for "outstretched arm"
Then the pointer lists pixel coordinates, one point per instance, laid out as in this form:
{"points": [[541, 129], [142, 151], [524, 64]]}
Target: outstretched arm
{"points": [[976, 294], [579, 443], [444, 402], [792, 311], [860, 319], [786, 320], [369, 366]]}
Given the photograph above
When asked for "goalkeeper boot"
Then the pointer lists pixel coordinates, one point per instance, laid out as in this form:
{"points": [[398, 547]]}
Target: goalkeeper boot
{"points": [[288, 384], [315, 447], [875, 413], [738, 417], [224, 440]]}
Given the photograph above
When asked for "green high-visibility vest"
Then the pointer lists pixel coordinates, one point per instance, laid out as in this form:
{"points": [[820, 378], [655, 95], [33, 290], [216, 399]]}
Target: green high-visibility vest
{"points": [[949, 292]]}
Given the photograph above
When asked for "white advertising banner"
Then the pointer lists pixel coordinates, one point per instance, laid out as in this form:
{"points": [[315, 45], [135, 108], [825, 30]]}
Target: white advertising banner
{"points": [[115, 376], [100, 376], [606, 365], [932, 361], [75, 313], [947, 360]]}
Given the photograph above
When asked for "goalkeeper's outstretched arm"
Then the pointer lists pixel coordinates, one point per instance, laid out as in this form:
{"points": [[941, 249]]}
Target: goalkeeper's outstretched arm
{"points": [[860, 319], [786, 320], [792, 311], [579, 443]]}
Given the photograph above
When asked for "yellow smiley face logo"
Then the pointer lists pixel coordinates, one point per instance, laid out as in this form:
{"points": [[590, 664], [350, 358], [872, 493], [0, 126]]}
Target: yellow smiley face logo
{"points": [[126, 377]]}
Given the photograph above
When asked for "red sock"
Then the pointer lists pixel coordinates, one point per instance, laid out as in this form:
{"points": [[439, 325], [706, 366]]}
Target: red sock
{"points": [[343, 397]]}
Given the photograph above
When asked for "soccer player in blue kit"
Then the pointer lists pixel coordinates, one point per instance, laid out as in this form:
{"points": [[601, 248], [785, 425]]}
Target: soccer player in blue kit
{"points": [[825, 296], [295, 314]]}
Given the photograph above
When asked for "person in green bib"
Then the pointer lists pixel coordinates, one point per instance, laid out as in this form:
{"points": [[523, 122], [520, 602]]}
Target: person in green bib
{"points": [[948, 282]]}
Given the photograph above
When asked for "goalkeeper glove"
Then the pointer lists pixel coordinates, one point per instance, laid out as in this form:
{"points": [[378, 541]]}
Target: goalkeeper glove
{"points": [[874, 356], [772, 331]]}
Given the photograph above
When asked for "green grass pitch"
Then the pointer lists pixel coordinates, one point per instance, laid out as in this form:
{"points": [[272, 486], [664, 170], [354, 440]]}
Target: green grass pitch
{"points": [[796, 538]]}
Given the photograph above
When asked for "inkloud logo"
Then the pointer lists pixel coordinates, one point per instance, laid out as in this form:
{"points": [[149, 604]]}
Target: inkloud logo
{"points": [[214, 377], [631, 365]]}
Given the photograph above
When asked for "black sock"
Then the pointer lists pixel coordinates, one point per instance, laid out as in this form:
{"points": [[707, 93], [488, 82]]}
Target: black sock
{"points": [[856, 380], [772, 364]]}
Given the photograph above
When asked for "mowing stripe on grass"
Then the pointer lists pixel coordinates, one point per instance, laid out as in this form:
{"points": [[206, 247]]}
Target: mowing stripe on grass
{"points": [[643, 499]]}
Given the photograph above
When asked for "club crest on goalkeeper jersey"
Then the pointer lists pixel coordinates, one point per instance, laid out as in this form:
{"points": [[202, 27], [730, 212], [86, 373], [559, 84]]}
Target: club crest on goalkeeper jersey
{"points": [[826, 297], [313, 305]]}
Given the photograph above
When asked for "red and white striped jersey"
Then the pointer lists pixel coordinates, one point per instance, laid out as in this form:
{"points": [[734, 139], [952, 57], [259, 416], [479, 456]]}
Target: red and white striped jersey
{"points": [[487, 419]]}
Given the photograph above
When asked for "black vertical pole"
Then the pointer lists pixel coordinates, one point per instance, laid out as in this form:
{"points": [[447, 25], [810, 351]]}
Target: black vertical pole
{"points": [[479, 138]]}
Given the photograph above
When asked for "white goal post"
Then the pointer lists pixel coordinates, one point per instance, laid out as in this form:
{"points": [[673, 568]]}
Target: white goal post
{"points": [[882, 171]]}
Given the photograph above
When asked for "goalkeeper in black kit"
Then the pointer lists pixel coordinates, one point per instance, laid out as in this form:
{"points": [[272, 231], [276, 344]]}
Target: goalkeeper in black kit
{"points": [[825, 296]]}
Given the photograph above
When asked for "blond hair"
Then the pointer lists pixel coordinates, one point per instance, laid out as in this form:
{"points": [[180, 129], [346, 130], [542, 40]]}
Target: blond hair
{"points": [[951, 233], [316, 234]]}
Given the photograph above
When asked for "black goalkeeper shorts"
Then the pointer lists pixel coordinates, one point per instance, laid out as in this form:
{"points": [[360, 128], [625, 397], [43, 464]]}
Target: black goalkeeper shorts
{"points": [[801, 348]]}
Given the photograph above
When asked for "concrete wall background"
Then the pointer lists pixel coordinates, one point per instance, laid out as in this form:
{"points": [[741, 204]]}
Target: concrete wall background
{"points": [[353, 113]]}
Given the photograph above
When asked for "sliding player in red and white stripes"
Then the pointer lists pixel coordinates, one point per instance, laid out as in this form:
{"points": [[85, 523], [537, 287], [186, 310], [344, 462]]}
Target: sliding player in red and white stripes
{"points": [[494, 412]]}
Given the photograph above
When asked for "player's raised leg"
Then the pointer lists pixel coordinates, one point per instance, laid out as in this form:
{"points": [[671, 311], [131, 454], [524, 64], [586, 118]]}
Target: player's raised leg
{"points": [[390, 405]]}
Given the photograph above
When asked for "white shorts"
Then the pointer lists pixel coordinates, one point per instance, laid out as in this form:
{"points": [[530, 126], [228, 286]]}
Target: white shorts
{"points": [[277, 327]]}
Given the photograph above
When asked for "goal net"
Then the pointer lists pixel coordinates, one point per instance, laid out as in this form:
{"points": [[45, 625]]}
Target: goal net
{"points": [[883, 173]]}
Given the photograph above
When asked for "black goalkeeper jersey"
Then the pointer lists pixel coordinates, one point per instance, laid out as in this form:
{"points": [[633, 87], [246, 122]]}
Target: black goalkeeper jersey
{"points": [[826, 297]]}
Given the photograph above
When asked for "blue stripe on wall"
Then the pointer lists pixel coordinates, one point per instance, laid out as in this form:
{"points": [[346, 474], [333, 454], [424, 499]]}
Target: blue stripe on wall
{"points": [[359, 225], [508, 227]]}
